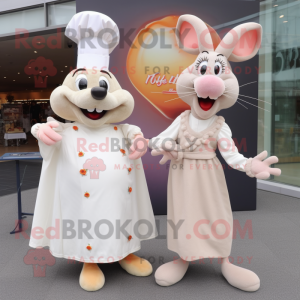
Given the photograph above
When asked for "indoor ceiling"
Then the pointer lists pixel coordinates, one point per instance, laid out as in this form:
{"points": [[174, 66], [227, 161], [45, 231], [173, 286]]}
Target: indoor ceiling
{"points": [[15, 77]]}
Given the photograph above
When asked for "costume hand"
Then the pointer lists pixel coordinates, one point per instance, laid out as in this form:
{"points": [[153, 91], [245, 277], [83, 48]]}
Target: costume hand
{"points": [[47, 135], [167, 155], [260, 168], [139, 147]]}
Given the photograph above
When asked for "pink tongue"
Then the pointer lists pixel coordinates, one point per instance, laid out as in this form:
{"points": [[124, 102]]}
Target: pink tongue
{"points": [[206, 104]]}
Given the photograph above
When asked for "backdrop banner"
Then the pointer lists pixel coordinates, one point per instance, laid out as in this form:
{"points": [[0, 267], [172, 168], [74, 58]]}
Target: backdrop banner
{"points": [[147, 63]]}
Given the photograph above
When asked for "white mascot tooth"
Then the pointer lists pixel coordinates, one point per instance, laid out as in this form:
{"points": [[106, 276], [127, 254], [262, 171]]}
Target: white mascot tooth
{"points": [[90, 110], [98, 110]]}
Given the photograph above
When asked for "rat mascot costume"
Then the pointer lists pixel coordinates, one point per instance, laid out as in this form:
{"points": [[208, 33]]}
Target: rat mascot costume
{"points": [[197, 191], [92, 185]]}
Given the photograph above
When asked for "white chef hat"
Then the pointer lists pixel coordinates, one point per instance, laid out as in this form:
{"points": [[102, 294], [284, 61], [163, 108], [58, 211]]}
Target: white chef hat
{"points": [[96, 35]]}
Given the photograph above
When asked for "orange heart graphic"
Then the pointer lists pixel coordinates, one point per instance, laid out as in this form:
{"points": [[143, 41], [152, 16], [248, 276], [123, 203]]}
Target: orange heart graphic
{"points": [[154, 63]]}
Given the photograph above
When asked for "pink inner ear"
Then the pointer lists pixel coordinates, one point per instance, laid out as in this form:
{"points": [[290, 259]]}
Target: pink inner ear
{"points": [[190, 39], [246, 44]]}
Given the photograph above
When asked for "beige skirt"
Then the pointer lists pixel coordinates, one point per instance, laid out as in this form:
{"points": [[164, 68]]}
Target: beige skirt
{"points": [[199, 211]]}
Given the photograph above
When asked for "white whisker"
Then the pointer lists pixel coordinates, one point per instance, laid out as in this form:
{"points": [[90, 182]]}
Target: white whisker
{"points": [[242, 85], [248, 103], [225, 95], [176, 92], [241, 104], [181, 97], [184, 86], [253, 105], [186, 92], [248, 83], [250, 97]]}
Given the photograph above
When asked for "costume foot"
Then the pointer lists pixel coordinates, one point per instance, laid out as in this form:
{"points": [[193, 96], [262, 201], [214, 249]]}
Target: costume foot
{"points": [[136, 266], [240, 278], [171, 272], [91, 277]]}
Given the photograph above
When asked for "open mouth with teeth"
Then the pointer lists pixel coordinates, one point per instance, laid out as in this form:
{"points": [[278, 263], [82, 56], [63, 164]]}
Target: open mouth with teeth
{"points": [[206, 103], [93, 114]]}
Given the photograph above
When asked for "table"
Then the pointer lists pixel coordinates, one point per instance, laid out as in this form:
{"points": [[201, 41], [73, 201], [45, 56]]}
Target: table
{"points": [[17, 156], [14, 136]]}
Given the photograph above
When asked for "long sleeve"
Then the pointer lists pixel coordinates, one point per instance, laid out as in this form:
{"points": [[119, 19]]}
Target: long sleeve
{"points": [[170, 133], [130, 131], [229, 151]]}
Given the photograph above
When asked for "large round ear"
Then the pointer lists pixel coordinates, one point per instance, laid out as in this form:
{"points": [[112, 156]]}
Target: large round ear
{"points": [[242, 42], [192, 35]]}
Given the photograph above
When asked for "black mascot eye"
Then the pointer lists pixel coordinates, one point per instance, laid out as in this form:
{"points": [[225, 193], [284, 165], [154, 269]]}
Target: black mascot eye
{"points": [[44, 68], [36, 68], [203, 69], [202, 66], [217, 69], [103, 84], [82, 84]]}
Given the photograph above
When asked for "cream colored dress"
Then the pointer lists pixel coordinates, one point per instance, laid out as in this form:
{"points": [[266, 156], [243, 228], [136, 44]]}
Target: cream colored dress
{"points": [[198, 200]]}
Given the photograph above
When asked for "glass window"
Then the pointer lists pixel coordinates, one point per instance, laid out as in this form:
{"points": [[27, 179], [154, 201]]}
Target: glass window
{"points": [[61, 13], [28, 19], [279, 84]]}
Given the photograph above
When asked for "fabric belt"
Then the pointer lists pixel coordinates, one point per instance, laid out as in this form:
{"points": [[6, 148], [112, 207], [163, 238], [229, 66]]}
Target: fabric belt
{"points": [[195, 155]]}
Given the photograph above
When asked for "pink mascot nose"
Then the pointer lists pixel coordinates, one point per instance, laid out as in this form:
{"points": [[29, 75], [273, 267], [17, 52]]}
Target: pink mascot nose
{"points": [[209, 86]]}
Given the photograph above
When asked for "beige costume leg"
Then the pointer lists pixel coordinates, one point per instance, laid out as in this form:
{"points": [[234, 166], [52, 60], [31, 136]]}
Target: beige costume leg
{"points": [[171, 272], [240, 278], [136, 266], [91, 277]]}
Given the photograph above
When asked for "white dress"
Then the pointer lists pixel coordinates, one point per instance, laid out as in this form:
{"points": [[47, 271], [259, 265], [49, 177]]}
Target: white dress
{"points": [[93, 194]]}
